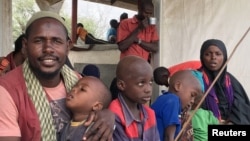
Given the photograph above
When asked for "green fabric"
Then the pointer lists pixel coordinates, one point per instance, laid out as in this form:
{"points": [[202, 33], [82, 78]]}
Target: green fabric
{"points": [[200, 121], [39, 99]]}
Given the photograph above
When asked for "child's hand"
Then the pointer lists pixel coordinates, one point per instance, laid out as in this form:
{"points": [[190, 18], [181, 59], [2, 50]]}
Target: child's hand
{"points": [[103, 127], [224, 122], [184, 116]]}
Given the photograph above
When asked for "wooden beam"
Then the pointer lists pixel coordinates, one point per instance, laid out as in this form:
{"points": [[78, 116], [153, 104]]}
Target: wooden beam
{"points": [[74, 20], [52, 2], [127, 4], [129, 1], [112, 1]]}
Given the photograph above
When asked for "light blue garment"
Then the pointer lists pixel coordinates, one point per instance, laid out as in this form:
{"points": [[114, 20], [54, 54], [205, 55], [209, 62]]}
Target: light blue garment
{"points": [[111, 31]]}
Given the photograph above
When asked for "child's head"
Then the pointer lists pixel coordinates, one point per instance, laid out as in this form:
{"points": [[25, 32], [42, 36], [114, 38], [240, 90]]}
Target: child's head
{"points": [[213, 55], [123, 16], [79, 25], [89, 94], [113, 23], [185, 84], [134, 79], [161, 75], [91, 70], [197, 100]]}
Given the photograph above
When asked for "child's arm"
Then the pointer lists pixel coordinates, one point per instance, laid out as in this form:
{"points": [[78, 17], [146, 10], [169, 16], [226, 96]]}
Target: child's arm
{"points": [[169, 133], [103, 127]]}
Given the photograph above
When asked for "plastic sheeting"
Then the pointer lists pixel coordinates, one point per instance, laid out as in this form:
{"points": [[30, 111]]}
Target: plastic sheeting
{"points": [[186, 24]]}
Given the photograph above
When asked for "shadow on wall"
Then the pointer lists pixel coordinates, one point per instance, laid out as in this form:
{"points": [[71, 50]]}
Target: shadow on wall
{"points": [[107, 71]]}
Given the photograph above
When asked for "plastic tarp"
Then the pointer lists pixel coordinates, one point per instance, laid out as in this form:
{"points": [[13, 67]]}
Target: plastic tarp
{"points": [[185, 24]]}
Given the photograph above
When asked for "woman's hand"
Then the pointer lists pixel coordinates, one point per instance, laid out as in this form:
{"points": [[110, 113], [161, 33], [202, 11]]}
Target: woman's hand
{"points": [[103, 127]]}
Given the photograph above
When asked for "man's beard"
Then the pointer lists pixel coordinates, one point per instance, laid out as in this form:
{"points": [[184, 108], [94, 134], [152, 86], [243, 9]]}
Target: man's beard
{"points": [[44, 75]]}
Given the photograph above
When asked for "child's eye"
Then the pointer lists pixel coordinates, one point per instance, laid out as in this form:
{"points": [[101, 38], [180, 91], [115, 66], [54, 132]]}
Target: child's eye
{"points": [[82, 89], [140, 84], [151, 82], [193, 94]]}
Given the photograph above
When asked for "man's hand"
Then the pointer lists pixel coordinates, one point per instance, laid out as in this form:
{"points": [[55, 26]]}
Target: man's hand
{"points": [[144, 24], [103, 127]]}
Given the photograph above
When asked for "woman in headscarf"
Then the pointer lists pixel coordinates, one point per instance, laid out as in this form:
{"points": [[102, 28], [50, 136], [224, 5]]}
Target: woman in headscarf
{"points": [[227, 99]]}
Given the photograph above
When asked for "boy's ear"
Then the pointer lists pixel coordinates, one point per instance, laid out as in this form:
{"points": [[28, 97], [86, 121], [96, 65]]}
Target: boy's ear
{"points": [[120, 84], [177, 86], [97, 106]]}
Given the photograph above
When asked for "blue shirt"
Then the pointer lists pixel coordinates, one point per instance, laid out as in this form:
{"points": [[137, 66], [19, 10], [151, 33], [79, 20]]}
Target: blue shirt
{"points": [[167, 109], [111, 31]]}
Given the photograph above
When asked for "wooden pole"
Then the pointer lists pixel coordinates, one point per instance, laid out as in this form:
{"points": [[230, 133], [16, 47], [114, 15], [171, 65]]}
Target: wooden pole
{"points": [[210, 87], [74, 20]]}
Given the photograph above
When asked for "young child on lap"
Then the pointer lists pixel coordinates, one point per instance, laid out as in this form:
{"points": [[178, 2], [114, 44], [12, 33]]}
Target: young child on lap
{"points": [[88, 95]]}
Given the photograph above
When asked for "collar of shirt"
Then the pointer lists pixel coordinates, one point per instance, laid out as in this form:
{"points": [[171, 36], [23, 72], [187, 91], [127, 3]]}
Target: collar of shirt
{"points": [[129, 117]]}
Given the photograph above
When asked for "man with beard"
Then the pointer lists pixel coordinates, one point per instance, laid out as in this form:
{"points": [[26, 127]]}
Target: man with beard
{"points": [[32, 101]]}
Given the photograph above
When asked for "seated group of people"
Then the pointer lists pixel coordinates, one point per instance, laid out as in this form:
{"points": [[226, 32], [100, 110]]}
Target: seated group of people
{"points": [[225, 103], [44, 99], [84, 37]]}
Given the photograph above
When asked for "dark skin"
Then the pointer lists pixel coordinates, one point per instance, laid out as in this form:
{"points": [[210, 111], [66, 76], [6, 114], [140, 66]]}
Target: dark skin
{"points": [[47, 47], [169, 133], [186, 87], [161, 76], [135, 83], [135, 78], [143, 19], [102, 130], [213, 60], [18, 57], [88, 94]]}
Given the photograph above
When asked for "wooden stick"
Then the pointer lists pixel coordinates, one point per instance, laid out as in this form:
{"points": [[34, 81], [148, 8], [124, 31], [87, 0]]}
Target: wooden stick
{"points": [[210, 87]]}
